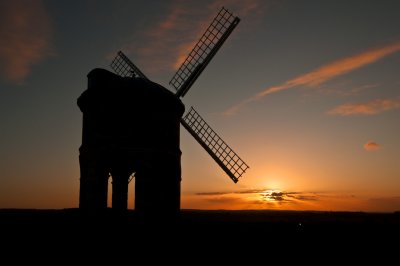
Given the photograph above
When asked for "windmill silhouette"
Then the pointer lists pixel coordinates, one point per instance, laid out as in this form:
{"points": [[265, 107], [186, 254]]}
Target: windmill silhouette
{"points": [[131, 127]]}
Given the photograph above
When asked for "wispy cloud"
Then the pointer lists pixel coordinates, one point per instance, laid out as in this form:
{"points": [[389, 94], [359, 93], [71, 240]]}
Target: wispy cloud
{"points": [[169, 40], [324, 73], [371, 146], [369, 108], [164, 40], [244, 8], [25, 38], [345, 89]]}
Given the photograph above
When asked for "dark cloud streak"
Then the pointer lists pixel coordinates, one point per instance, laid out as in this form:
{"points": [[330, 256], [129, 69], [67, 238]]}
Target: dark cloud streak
{"points": [[265, 196]]}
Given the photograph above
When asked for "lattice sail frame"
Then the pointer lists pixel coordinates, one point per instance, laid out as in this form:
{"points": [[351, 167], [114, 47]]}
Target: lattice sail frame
{"points": [[125, 68], [225, 157], [204, 50]]}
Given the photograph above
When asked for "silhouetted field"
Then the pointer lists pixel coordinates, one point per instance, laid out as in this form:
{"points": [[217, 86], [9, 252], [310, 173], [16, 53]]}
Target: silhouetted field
{"points": [[238, 232]]}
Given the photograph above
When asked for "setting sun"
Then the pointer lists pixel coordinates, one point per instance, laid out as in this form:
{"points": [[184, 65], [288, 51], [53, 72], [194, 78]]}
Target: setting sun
{"points": [[271, 195]]}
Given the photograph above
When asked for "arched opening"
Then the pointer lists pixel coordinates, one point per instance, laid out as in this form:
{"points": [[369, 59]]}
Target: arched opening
{"points": [[128, 192]]}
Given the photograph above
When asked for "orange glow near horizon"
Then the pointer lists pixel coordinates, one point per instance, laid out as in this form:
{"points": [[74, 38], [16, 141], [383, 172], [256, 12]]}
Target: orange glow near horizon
{"points": [[281, 200]]}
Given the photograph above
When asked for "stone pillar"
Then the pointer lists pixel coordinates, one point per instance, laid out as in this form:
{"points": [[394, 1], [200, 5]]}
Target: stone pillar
{"points": [[93, 183], [158, 187], [120, 189]]}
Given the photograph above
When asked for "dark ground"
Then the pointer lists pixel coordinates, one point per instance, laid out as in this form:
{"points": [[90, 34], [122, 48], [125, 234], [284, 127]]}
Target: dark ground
{"points": [[201, 233]]}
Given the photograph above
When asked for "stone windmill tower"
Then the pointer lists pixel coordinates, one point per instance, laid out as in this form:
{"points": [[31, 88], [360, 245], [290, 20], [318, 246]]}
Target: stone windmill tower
{"points": [[131, 126]]}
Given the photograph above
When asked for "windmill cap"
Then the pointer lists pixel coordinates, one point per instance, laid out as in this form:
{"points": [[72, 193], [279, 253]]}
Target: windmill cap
{"points": [[107, 90]]}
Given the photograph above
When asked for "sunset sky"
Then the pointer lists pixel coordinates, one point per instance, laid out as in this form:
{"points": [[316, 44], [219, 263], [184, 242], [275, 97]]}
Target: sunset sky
{"points": [[306, 92]]}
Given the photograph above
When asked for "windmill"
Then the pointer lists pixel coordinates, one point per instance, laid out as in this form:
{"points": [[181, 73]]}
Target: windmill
{"points": [[156, 166]]}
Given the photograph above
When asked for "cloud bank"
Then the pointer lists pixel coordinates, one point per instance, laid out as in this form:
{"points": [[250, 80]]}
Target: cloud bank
{"points": [[262, 196], [259, 199]]}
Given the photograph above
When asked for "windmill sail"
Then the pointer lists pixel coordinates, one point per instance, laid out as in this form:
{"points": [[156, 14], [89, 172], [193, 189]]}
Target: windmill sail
{"points": [[225, 157], [205, 49], [125, 68]]}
